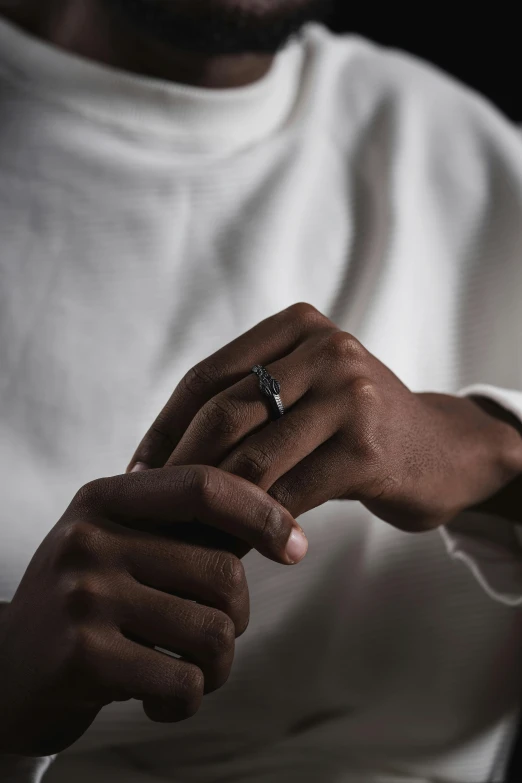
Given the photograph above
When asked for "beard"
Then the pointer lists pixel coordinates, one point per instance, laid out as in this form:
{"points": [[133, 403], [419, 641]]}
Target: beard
{"points": [[220, 27]]}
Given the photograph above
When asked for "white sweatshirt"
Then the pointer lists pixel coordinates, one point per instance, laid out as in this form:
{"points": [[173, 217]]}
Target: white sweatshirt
{"points": [[145, 224]]}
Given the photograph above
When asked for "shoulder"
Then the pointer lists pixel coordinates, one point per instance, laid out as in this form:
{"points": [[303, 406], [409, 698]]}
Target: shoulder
{"points": [[415, 114], [363, 76]]}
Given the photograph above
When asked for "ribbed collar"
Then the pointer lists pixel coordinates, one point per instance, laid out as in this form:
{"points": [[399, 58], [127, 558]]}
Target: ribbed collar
{"points": [[190, 118]]}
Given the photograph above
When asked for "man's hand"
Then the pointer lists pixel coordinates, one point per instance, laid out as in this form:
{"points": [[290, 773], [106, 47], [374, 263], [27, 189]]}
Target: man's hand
{"points": [[125, 570], [351, 429]]}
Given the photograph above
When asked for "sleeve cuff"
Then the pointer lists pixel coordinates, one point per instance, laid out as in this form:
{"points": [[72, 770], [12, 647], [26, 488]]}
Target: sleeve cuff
{"points": [[496, 567]]}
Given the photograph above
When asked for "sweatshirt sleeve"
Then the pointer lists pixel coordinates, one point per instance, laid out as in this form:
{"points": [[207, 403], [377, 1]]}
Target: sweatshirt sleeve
{"points": [[496, 566], [24, 769]]}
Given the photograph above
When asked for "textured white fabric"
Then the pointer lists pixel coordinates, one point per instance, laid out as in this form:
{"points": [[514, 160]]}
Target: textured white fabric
{"points": [[498, 569], [143, 226]]}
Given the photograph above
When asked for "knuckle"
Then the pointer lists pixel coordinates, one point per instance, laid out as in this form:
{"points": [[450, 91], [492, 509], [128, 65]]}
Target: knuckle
{"points": [[365, 441], [200, 377], [81, 541], [189, 688], [220, 635], [306, 315], [200, 482], [232, 579], [222, 414], [252, 464], [211, 484], [303, 310], [84, 597], [364, 392], [191, 682], [341, 346], [230, 589], [191, 478], [91, 494]]}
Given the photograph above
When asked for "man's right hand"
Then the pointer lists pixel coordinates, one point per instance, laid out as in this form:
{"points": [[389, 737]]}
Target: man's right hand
{"points": [[124, 570]]}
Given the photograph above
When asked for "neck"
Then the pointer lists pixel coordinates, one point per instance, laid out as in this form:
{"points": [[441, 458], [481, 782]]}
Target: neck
{"points": [[85, 28]]}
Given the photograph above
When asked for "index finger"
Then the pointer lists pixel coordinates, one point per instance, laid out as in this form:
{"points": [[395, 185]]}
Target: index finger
{"points": [[204, 494], [271, 339]]}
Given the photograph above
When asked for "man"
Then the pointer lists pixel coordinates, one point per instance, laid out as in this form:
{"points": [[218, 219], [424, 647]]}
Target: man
{"points": [[304, 251]]}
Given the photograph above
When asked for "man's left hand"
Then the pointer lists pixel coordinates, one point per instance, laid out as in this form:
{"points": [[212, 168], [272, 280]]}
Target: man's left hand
{"points": [[351, 429]]}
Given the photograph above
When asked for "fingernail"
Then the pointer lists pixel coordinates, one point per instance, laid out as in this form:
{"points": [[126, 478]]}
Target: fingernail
{"points": [[297, 545], [139, 466]]}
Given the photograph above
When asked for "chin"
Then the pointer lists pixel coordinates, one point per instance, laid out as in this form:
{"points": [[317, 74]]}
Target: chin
{"points": [[220, 27]]}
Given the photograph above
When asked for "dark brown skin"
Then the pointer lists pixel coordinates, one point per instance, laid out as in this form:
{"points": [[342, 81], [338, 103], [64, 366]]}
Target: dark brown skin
{"points": [[352, 430], [110, 582], [116, 575]]}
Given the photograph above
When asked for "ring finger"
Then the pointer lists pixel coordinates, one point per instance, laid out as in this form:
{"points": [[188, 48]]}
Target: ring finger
{"points": [[208, 575], [199, 634], [242, 410], [271, 339], [269, 454]]}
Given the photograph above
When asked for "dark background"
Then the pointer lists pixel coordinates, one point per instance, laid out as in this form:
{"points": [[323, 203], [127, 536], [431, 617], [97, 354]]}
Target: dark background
{"points": [[481, 49]]}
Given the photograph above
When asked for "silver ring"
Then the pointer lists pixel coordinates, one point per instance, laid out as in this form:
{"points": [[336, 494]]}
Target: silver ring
{"points": [[270, 388]]}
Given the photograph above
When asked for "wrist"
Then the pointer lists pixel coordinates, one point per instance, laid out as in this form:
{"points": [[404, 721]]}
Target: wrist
{"points": [[507, 501], [506, 437], [482, 444]]}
